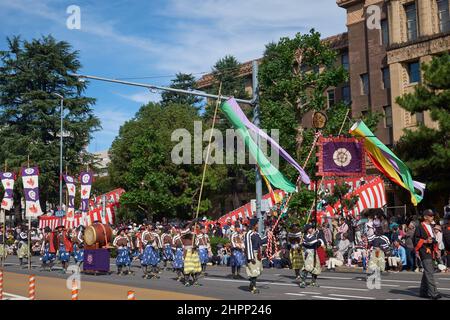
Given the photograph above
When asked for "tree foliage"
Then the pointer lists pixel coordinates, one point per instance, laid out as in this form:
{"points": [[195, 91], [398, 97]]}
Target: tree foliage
{"points": [[426, 149], [30, 73], [182, 81]]}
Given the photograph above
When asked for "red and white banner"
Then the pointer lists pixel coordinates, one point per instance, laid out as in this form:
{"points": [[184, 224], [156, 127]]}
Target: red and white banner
{"points": [[92, 216], [371, 195], [111, 197], [245, 212]]}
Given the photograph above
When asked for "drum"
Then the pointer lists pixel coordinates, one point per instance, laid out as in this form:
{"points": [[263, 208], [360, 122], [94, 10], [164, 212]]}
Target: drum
{"points": [[98, 233]]}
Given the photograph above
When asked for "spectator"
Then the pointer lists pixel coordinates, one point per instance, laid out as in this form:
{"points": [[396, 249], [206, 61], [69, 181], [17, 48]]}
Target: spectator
{"points": [[410, 250], [441, 252], [343, 228], [398, 259]]}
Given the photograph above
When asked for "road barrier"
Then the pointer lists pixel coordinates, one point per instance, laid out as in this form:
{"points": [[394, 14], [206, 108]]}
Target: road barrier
{"points": [[131, 295], [1, 284], [74, 290], [32, 287]]}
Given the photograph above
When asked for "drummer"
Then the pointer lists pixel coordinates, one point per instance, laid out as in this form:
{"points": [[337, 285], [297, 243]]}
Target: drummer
{"points": [[122, 243]]}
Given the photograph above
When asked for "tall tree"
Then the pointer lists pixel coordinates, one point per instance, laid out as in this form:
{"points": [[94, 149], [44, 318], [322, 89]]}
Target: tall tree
{"points": [[30, 73], [426, 149], [141, 163], [182, 81]]}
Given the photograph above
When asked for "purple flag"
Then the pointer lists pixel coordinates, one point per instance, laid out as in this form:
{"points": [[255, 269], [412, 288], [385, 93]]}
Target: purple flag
{"points": [[70, 183], [341, 157], [30, 179], [8, 184], [86, 184]]}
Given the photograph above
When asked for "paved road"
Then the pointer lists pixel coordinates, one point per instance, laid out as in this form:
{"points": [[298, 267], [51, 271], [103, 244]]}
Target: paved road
{"points": [[274, 284]]}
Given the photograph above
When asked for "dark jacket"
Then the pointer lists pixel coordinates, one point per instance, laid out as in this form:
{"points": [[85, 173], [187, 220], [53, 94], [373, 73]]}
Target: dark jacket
{"points": [[446, 236]]}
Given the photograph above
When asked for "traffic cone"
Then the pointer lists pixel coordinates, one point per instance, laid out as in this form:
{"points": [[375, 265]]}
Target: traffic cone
{"points": [[131, 295], [32, 287], [74, 290]]}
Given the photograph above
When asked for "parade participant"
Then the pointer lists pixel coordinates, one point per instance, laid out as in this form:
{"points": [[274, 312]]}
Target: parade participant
{"points": [[237, 251], [296, 252], [166, 240], [426, 248], [64, 247], [78, 245], [3, 251], [204, 247], [48, 249], [446, 240], [177, 246], [192, 265], [23, 247], [253, 244], [122, 243], [378, 244], [150, 256], [138, 245], [311, 242]]}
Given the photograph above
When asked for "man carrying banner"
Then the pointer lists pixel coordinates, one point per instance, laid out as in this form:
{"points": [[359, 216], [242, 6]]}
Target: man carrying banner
{"points": [[237, 251], [48, 249], [296, 252], [426, 248], [311, 243], [64, 246], [23, 247], [253, 243]]}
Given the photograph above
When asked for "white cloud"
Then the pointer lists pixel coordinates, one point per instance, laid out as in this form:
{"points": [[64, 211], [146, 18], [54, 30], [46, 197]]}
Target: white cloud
{"points": [[142, 97]]}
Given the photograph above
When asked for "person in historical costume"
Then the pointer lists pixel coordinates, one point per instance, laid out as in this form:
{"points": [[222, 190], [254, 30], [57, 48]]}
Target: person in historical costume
{"points": [[150, 256], [204, 247], [23, 248], [123, 260], [138, 246], [253, 244], [78, 244], [166, 240], [311, 242], [427, 248], [48, 249], [378, 244], [64, 247], [3, 251], [296, 252], [192, 265], [237, 259], [178, 258]]}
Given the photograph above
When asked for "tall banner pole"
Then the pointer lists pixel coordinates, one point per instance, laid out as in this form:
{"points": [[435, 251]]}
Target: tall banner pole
{"points": [[4, 237]]}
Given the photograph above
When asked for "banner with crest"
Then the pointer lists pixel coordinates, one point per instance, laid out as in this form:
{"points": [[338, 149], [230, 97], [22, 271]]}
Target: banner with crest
{"points": [[8, 179], [30, 179], [71, 189]]}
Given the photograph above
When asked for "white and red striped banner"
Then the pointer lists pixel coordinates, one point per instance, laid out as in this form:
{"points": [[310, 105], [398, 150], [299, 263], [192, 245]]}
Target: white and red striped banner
{"points": [[93, 215], [371, 195]]}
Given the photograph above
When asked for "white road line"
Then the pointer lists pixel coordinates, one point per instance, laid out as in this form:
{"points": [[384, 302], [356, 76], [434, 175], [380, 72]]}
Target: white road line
{"points": [[259, 282], [403, 281], [447, 279], [17, 297], [295, 294], [306, 292], [329, 298], [446, 289], [336, 278], [342, 288], [347, 296], [390, 285]]}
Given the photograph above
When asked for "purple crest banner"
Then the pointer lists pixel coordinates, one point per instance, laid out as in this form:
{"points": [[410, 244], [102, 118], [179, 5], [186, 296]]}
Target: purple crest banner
{"points": [[341, 157], [71, 189], [86, 185], [30, 179], [8, 184]]}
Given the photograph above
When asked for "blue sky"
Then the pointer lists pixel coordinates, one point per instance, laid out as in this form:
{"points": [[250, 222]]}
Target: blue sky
{"points": [[158, 38]]}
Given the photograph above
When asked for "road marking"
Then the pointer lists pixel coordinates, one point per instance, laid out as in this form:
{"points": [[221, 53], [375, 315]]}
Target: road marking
{"points": [[329, 298], [295, 294], [17, 297], [404, 281], [336, 278], [447, 279], [259, 282], [342, 288], [347, 296], [305, 292], [446, 289], [390, 285]]}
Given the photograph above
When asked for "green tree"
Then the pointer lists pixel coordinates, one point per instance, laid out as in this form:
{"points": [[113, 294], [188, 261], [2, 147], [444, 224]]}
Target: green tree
{"points": [[340, 190], [227, 71], [141, 163], [426, 149], [30, 73], [182, 81]]}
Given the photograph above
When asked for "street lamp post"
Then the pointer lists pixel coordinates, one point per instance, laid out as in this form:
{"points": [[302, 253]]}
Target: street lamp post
{"points": [[60, 149]]}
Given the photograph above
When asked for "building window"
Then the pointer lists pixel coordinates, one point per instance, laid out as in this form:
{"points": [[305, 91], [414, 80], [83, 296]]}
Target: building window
{"points": [[443, 15], [365, 84], [411, 21], [345, 61], [420, 118], [346, 97], [385, 32], [331, 98], [414, 72], [386, 78], [388, 117]]}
